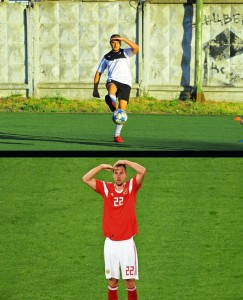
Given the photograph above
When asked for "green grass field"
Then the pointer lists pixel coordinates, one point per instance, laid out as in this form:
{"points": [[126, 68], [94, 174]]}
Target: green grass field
{"points": [[86, 132], [190, 213]]}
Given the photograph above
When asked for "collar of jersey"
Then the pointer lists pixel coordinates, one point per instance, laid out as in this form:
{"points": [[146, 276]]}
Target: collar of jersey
{"points": [[119, 192]]}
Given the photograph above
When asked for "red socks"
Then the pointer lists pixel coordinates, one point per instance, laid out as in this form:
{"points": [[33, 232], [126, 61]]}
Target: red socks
{"points": [[132, 294], [112, 293]]}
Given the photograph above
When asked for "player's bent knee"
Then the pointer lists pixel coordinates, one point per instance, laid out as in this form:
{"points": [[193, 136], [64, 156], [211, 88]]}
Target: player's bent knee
{"points": [[112, 89]]}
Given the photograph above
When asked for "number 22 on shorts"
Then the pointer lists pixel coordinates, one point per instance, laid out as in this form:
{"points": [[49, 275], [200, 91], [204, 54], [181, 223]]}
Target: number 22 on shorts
{"points": [[130, 270]]}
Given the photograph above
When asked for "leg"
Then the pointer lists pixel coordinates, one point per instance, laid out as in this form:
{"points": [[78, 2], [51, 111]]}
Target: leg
{"points": [[110, 99], [112, 270], [130, 283], [117, 138], [129, 267], [123, 104], [131, 289], [112, 289], [113, 282], [111, 88], [123, 96]]}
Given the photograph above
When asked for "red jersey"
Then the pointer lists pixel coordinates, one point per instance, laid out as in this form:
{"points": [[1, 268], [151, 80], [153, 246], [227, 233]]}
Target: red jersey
{"points": [[119, 209]]}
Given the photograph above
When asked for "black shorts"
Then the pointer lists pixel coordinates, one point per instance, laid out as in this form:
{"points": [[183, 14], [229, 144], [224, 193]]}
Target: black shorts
{"points": [[123, 90]]}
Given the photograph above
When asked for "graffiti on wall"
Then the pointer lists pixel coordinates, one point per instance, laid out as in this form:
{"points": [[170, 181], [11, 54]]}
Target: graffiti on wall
{"points": [[221, 54], [223, 19], [225, 45]]}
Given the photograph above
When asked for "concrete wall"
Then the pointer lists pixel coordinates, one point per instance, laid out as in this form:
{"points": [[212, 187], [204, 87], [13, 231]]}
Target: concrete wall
{"points": [[169, 41], [223, 50], [12, 48], [53, 47]]}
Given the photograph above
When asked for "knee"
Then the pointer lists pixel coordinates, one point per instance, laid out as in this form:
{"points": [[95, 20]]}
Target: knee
{"points": [[113, 283], [130, 283]]}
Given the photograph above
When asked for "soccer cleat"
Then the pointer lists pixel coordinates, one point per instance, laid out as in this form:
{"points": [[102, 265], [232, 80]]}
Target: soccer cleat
{"points": [[118, 139], [110, 103]]}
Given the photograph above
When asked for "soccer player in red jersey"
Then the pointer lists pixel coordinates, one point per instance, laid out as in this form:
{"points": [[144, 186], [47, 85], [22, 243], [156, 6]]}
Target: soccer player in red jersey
{"points": [[119, 223]]}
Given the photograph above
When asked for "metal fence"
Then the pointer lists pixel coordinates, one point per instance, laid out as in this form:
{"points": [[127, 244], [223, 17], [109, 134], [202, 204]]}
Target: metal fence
{"points": [[52, 48]]}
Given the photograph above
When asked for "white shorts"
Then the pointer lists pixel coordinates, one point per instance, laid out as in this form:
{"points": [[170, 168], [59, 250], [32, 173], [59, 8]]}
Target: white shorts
{"points": [[121, 254]]}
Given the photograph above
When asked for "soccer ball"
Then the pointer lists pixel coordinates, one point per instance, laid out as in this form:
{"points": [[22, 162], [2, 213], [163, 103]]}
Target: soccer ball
{"points": [[119, 116]]}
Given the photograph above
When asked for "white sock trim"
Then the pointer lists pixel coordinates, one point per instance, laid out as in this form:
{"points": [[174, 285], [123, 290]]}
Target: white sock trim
{"points": [[113, 98], [131, 290], [112, 288]]}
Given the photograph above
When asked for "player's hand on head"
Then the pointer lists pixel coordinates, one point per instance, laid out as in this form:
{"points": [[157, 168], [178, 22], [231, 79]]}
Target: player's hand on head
{"points": [[107, 167], [119, 162], [117, 38]]}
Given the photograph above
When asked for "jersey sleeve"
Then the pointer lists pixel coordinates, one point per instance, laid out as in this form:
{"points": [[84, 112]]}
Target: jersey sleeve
{"points": [[128, 52], [135, 185], [102, 66], [99, 187]]}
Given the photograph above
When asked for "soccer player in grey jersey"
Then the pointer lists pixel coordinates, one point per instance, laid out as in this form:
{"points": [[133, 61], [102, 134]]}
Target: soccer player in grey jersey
{"points": [[119, 80]]}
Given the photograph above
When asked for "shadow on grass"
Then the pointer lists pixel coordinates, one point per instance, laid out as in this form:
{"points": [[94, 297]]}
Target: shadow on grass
{"points": [[132, 144], [20, 137]]}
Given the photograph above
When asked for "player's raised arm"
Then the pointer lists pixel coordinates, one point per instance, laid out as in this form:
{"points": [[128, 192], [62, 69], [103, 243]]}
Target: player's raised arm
{"points": [[141, 171], [130, 43], [89, 178]]}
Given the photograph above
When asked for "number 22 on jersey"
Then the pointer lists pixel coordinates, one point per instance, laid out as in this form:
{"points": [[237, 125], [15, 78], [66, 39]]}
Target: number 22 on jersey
{"points": [[118, 201]]}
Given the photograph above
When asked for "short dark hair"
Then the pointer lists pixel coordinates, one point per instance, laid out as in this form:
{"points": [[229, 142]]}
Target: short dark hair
{"points": [[114, 35], [120, 165]]}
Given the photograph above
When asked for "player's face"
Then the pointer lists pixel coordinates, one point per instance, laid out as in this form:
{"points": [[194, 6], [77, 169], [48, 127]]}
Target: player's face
{"points": [[119, 175], [115, 45]]}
